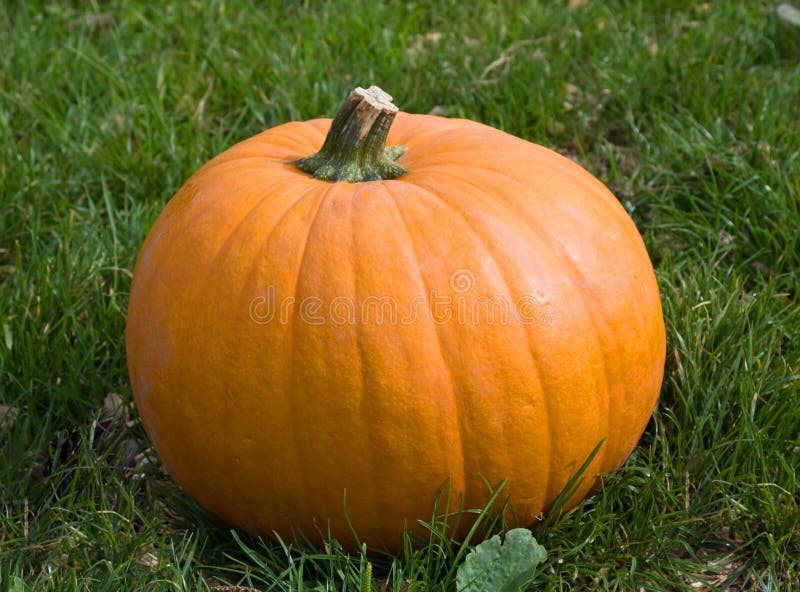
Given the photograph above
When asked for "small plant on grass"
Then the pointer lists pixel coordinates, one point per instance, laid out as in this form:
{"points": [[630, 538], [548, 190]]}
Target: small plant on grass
{"points": [[501, 567]]}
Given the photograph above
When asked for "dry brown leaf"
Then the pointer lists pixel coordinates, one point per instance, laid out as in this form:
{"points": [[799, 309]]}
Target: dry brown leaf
{"points": [[555, 128], [422, 42], [112, 403], [101, 20], [506, 56], [7, 415], [149, 559], [97, 21], [717, 571], [573, 95]]}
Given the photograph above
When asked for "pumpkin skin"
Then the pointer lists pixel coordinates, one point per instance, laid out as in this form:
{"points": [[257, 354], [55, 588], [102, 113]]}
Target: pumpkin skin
{"points": [[272, 404]]}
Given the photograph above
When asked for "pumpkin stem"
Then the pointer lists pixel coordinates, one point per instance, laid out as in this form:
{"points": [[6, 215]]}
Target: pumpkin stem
{"points": [[355, 147]]}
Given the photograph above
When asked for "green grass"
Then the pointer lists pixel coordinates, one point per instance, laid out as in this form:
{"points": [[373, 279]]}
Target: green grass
{"points": [[688, 111]]}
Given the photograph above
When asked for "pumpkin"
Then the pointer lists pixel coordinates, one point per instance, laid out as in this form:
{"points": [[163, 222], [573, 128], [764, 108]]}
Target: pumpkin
{"points": [[324, 333]]}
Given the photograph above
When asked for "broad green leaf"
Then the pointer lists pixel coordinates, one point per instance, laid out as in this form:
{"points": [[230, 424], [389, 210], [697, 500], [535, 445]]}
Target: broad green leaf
{"points": [[501, 567]]}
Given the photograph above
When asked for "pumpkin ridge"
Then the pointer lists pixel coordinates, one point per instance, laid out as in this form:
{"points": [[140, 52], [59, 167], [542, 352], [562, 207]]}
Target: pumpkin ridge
{"points": [[247, 296], [531, 350], [268, 194], [456, 401], [283, 138], [601, 330], [281, 218], [591, 310], [169, 215], [271, 233], [571, 170], [608, 342], [291, 349], [179, 202], [308, 143], [576, 277], [375, 465], [182, 213]]}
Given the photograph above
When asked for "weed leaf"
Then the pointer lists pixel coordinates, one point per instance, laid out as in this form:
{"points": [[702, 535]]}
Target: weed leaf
{"points": [[501, 567]]}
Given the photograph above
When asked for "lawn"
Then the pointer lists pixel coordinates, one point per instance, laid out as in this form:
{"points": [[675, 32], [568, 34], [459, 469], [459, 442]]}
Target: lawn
{"points": [[687, 110]]}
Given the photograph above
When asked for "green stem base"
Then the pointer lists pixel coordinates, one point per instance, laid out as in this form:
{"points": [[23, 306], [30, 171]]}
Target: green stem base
{"points": [[355, 148]]}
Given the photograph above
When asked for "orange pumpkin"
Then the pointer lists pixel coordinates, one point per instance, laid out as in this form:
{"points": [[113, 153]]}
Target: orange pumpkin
{"points": [[473, 310]]}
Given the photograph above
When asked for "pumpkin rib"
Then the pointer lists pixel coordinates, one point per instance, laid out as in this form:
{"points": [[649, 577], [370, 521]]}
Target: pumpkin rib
{"points": [[183, 208], [324, 191], [507, 444], [455, 399], [212, 168], [236, 161], [644, 328], [592, 315], [235, 236], [605, 335], [274, 146], [279, 221], [590, 308], [605, 339], [480, 241], [418, 131], [475, 159], [608, 342], [318, 128], [560, 254], [531, 350], [295, 437], [247, 295], [289, 138], [374, 464], [265, 245], [289, 155], [487, 249], [320, 125], [233, 233]]}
